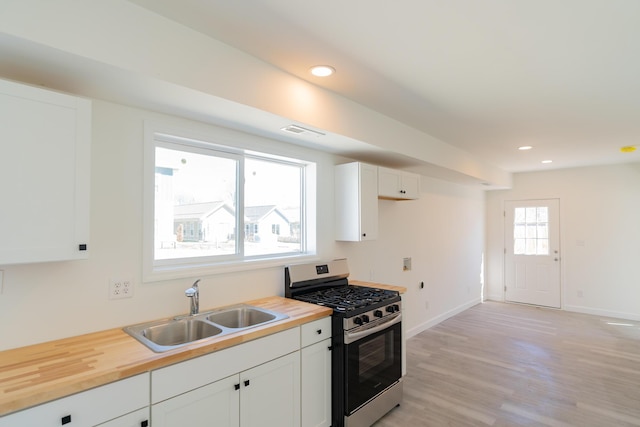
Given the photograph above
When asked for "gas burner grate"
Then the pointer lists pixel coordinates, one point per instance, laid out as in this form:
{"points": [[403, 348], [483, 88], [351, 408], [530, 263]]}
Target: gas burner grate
{"points": [[347, 298]]}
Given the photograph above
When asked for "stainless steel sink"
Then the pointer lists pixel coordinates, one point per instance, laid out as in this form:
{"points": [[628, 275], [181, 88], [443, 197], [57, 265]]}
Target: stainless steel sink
{"points": [[244, 316], [168, 334]]}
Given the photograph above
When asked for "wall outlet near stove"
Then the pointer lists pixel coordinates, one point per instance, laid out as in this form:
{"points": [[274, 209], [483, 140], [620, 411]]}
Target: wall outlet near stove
{"points": [[120, 288]]}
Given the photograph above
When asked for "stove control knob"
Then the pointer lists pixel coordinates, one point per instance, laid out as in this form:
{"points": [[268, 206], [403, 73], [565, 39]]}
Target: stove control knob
{"points": [[396, 307], [357, 321], [390, 309], [365, 318], [377, 313]]}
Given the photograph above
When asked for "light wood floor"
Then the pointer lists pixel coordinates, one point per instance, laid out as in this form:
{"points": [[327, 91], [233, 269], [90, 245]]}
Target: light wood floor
{"points": [[502, 364]]}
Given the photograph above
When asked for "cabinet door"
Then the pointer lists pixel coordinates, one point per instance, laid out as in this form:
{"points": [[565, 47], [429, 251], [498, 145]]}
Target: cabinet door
{"points": [[411, 185], [389, 183], [270, 394], [44, 175], [316, 384], [356, 202], [135, 419], [213, 405]]}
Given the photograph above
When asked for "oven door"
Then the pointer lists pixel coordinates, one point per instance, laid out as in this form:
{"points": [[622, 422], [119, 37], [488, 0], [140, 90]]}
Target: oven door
{"points": [[373, 360]]}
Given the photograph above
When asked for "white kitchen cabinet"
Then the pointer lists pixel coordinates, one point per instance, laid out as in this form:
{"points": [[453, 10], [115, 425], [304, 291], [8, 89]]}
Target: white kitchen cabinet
{"points": [[315, 357], [118, 404], [244, 380], [267, 395], [270, 394], [139, 418], [44, 174], [398, 185], [356, 202], [216, 404]]}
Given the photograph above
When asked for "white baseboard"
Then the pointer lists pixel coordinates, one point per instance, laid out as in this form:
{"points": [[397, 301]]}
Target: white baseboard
{"points": [[600, 312], [444, 316], [494, 297]]}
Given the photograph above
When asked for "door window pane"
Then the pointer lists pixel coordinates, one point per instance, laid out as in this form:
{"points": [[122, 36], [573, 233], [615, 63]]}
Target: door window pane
{"points": [[531, 231]]}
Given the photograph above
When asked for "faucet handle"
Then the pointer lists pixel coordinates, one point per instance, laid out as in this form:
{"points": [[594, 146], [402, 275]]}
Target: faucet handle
{"points": [[190, 292]]}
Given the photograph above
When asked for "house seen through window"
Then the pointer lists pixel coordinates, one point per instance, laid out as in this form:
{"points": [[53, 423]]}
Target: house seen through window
{"points": [[213, 204]]}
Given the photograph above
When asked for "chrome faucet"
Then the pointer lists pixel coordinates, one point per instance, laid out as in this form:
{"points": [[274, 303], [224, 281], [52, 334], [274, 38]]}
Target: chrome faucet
{"points": [[194, 293]]}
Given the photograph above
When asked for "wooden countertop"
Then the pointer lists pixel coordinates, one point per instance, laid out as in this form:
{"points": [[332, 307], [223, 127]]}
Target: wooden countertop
{"points": [[39, 373], [400, 289]]}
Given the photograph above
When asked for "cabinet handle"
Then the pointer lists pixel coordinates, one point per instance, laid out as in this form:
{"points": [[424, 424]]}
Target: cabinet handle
{"points": [[236, 386], [144, 423], [65, 420], [364, 234], [319, 331], [246, 383], [330, 348]]}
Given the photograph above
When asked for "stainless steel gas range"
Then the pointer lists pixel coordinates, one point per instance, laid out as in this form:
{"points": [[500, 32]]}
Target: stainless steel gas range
{"points": [[366, 340]]}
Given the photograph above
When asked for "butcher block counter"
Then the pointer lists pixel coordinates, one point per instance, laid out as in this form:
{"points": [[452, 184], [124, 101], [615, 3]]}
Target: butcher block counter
{"points": [[400, 289], [39, 373]]}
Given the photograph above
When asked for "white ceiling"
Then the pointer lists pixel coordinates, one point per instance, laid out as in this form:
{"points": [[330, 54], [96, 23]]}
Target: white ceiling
{"points": [[484, 76]]}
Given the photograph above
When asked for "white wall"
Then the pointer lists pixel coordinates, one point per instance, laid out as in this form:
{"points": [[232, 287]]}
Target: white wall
{"points": [[442, 232], [599, 235]]}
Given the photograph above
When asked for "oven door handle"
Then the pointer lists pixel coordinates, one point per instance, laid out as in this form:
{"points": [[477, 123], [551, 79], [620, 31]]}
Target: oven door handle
{"points": [[350, 337]]}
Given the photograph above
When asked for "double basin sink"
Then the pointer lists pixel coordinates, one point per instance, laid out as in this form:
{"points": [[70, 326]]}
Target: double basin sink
{"points": [[167, 334]]}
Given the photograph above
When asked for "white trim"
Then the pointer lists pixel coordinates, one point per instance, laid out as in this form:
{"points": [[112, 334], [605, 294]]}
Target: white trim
{"points": [[441, 318], [601, 312], [235, 143]]}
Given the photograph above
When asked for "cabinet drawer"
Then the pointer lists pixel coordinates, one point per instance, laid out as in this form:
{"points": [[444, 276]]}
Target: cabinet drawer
{"points": [[87, 408], [315, 331]]}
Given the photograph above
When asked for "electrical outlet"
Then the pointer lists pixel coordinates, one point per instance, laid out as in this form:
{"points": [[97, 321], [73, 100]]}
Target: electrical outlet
{"points": [[120, 288], [406, 264]]}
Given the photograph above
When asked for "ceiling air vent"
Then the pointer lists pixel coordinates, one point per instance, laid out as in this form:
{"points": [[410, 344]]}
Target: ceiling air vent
{"points": [[299, 130]]}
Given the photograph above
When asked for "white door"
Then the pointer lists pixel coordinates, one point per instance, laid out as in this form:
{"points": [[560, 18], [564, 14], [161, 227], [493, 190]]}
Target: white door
{"points": [[532, 252]]}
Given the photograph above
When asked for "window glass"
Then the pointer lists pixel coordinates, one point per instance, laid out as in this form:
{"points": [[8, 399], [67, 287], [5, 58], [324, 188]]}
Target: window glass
{"points": [[272, 205], [219, 205]]}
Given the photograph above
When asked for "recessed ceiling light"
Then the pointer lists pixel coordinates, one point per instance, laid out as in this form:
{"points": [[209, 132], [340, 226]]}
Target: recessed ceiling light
{"points": [[322, 70], [525, 148], [547, 161]]}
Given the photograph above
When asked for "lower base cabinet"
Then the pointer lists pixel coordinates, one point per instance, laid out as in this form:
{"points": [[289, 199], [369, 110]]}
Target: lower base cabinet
{"points": [[265, 396], [281, 380], [316, 384]]}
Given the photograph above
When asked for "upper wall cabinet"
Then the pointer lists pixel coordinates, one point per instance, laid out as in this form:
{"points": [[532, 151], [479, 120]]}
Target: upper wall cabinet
{"points": [[398, 185], [45, 140], [356, 202]]}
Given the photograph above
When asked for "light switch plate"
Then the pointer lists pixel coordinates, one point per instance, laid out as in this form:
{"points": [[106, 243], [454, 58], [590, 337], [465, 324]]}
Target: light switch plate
{"points": [[406, 264]]}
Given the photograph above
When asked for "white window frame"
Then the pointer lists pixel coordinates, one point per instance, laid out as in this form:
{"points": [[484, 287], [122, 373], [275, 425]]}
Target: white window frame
{"points": [[235, 144]]}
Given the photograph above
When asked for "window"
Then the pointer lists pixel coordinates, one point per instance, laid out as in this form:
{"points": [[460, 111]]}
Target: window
{"points": [[215, 205], [531, 231]]}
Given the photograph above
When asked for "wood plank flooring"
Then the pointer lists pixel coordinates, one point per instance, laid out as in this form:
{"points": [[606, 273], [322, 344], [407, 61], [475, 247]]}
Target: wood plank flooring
{"points": [[503, 365]]}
